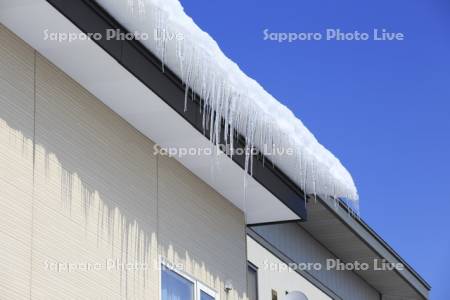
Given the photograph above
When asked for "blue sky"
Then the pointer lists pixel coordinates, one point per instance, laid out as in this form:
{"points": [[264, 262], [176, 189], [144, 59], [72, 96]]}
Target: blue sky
{"points": [[382, 107]]}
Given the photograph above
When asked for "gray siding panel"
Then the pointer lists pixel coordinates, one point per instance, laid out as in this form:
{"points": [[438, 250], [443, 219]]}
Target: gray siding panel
{"points": [[300, 246]]}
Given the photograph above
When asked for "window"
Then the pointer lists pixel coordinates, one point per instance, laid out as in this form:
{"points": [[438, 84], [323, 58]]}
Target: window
{"points": [[205, 293], [175, 286], [252, 281], [205, 296]]}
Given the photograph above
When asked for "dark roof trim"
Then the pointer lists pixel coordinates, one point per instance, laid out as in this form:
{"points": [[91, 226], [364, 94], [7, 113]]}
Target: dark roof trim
{"points": [[89, 17], [272, 223], [349, 214]]}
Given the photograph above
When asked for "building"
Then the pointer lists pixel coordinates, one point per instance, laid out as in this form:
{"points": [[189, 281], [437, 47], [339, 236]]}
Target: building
{"points": [[91, 208]]}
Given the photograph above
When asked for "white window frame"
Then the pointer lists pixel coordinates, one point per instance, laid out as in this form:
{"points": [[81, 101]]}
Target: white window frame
{"points": [[198, 286], [203, 288]]}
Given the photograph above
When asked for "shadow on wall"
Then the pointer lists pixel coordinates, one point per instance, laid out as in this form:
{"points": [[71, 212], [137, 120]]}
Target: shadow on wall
{"points": [[95, 208]]}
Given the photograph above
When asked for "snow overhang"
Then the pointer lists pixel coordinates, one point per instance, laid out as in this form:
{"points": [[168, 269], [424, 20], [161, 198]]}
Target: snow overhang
{"points": [[163, 27], [128, 78]]}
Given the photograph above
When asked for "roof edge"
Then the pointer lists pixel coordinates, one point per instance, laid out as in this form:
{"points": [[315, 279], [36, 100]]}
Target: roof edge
{"points": [[90, 17], [343, 212]]}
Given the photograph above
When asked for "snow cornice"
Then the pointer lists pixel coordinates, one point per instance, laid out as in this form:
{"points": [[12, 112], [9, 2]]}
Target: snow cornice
{"points": [[231, 96]]}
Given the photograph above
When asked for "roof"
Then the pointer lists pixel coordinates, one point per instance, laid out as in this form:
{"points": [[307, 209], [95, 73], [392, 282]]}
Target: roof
{"points": [[351, 239], [128, 78], [230, 96]]}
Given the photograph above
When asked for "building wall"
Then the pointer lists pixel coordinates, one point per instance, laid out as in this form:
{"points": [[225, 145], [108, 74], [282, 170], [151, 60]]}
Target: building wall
{"points": [[274, 274], [300, 247], [16, 165], [81, 189]]}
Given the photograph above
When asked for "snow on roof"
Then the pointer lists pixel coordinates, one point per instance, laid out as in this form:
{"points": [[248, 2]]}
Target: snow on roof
{"points": [[246, 107]]}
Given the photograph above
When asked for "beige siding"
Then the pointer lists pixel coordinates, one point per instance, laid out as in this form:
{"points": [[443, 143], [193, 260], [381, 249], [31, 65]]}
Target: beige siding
{"points": [[207, 225], [16, 165], [98, 195]]}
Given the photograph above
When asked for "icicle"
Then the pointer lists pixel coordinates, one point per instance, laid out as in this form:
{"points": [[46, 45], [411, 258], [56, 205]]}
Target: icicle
{"points": [[131, 6], [230, 97], [314, 182], [141, 8]]}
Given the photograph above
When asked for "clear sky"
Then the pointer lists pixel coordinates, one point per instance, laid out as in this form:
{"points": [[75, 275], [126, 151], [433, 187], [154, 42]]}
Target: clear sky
{"points": [[383, 108]]}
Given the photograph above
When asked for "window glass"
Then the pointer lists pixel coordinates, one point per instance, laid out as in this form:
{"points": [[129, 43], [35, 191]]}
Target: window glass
{"points": [[205, 296], [175, 287]]}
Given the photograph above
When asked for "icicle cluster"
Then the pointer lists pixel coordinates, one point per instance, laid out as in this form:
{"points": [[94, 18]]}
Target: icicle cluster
{"points": [[231, 96]]}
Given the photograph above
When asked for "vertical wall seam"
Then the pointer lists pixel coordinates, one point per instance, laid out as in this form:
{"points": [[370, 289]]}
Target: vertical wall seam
{"points": [[158, 251], [33, 174]]}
